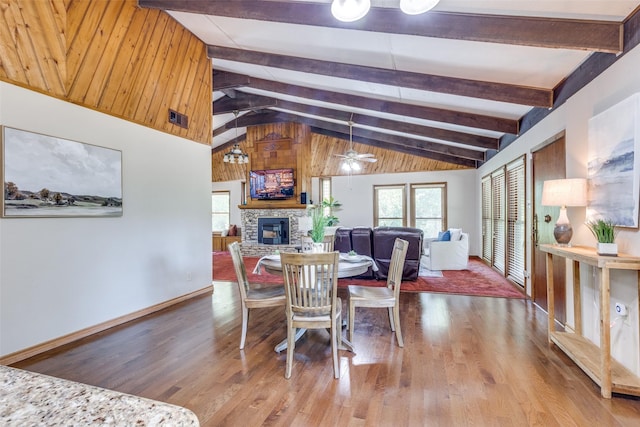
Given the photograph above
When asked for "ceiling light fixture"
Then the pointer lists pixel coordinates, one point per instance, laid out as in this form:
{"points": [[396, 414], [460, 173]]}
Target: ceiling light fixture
{"points": [[352, 10], [235, 155], [416, 7], [350, 164]]}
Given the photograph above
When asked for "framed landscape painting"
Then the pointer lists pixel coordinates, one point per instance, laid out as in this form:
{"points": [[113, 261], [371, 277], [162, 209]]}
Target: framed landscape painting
{"points": [[45, 176], [614, 163]]}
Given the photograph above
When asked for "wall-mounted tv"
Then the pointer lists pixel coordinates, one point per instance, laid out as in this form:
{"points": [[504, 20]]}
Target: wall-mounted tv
{"points": [[271, 184]]}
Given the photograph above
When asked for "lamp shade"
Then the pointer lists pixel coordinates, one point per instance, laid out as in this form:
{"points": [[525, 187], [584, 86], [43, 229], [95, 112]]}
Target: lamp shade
{"points": [[565, 192]]}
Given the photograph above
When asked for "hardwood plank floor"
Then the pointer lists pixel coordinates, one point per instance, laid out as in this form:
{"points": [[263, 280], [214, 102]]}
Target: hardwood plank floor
{"points": [[466, 361]]}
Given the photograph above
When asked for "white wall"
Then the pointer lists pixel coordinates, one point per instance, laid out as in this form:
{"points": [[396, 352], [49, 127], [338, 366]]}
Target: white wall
{"points": [[614, 85], [356, 195], [60, 275]]}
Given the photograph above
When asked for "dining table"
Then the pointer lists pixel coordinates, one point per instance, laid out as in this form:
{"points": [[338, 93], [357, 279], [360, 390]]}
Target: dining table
{"points": [[348, 266]]}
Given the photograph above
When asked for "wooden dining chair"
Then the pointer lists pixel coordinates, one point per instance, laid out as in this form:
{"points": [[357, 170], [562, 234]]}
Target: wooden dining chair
{"points": [[311, 282], [328, 242], [389, 297], [251, 294]]}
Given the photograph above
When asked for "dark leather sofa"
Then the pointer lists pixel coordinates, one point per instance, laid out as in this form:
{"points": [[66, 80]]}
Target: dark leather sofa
{"points": [[378, 244]]}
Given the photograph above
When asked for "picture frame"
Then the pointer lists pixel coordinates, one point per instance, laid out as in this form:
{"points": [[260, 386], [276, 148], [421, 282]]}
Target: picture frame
{"points": [[47, 176], [613, 164]]}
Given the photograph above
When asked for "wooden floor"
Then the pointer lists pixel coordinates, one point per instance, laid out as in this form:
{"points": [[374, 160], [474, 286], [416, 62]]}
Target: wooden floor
{"points": [[466, 361]]}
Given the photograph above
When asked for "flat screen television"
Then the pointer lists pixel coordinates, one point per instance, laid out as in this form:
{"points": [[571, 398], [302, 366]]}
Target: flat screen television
{"points": [[271, 184]]}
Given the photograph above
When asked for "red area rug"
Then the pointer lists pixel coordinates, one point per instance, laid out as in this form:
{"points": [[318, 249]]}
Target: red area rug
{"points": [[478, 280]]}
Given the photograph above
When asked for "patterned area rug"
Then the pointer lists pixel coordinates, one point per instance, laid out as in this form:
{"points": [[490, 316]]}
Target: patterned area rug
{"points": [[478, 280]]}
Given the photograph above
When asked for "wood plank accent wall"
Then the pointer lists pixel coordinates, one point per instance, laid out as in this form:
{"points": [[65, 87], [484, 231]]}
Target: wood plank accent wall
{"points": [[110, 56], [320, 159]]}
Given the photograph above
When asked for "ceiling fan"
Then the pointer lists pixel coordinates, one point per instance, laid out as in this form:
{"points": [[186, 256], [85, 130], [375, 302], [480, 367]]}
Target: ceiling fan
{"points": [[352, 157]]}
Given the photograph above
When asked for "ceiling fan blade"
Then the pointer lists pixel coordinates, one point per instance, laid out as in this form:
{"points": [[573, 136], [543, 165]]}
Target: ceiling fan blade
{"points": [[365, 155], [368, 160]]}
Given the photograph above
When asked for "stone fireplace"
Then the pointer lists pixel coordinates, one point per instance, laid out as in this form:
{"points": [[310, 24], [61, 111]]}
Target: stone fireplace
{"points": [[253, 231]]}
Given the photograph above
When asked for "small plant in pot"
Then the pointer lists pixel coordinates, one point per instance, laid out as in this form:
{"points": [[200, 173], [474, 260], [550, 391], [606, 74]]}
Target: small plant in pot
{"points": [[605, 233], [317, 224]]}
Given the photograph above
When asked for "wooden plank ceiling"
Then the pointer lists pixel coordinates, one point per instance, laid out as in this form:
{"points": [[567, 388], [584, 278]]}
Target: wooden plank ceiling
{"points": [[453, 85]]}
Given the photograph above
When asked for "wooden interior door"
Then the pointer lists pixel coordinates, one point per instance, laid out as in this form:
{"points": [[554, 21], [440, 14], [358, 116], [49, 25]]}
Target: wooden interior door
{"points": [[548, 163]]}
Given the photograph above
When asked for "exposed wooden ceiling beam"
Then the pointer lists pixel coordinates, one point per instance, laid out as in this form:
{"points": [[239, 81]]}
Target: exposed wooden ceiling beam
{"points": [[479, 121], [479, 141], [373, 138], [393, 125], [223, 80], [241, 102], [494, 91], [603, 36]]}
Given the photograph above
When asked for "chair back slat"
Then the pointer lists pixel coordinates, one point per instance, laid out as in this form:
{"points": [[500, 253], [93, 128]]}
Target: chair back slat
{"points": [[396, 266], [241, 271]]}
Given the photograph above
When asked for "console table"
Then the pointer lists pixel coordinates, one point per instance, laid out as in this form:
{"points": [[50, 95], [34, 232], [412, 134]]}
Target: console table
{"points": [[595, 361]]}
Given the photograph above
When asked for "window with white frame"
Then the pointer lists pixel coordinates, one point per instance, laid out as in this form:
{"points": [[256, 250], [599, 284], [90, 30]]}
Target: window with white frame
{"points": [[428, 208], [220, 210]]}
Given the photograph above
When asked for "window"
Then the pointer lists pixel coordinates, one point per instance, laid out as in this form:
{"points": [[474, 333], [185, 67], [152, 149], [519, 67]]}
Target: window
{"points": [[503, 220], [389, 205], [220, 203], [428, 205], [325, 193], [516, 221], [487, 229], [498, 223]]}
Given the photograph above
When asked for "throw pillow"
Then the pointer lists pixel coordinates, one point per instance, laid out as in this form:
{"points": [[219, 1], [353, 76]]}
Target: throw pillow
{"points": [[444, 236], [456, 234], [233, 230]]}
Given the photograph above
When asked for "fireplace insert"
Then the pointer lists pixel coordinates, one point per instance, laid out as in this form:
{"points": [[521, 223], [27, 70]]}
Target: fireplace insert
{"points": [[273, 231]]}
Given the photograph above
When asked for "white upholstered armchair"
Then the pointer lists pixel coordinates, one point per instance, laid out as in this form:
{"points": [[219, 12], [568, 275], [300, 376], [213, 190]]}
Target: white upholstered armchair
{"points": [[447, 255]]}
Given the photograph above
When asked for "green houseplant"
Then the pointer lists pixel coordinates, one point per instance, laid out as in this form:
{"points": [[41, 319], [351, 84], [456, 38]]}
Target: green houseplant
{"points": [[317, 224], [333, 205], [605, 233]]}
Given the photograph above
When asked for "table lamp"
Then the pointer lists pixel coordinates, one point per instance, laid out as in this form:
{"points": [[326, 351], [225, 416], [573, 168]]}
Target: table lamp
{"points": [[563, 193]]}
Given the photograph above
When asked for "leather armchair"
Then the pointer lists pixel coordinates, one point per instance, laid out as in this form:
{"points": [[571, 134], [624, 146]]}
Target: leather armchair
{"points": [[383, 240]]}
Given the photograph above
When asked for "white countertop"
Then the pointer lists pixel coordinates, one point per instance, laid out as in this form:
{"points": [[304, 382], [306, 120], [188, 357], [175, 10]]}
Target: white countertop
{"points": [[31, 399]]}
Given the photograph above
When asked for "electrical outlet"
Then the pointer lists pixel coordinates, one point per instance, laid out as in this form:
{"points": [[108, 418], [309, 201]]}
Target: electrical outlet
{"points": [[621, 309]]}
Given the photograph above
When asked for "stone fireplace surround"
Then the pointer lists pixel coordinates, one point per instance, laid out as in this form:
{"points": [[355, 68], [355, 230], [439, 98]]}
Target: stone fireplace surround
{"points": [[249, 219]]}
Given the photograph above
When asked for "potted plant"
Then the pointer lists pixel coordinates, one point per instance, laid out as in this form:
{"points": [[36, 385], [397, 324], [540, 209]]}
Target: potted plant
{"points": [[317, 226], [331, 203], [605, 233]]}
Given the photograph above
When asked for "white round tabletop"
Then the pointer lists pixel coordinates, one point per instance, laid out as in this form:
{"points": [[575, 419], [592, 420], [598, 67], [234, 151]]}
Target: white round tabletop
{"points": [[358, 266]]}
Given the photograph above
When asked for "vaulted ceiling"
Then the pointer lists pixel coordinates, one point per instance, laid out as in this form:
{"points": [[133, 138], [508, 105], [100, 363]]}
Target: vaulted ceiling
{"points": [[455, 84]]}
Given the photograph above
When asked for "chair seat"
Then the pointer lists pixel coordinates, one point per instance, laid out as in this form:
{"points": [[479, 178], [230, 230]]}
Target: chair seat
{"points": [[266, 292], [318, 320], [372, 295]]}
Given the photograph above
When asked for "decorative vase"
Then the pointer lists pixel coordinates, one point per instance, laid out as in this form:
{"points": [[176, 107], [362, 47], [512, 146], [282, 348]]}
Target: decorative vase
{"points": [[318, 247], [608, 249]]}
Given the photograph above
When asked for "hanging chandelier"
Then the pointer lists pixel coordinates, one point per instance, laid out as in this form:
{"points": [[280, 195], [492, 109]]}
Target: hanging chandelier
{"points": [[352, 10], [236, 155]]}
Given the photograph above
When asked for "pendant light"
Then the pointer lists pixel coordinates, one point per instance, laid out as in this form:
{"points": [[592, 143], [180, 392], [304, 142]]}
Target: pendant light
{"points": [[236, 155]]}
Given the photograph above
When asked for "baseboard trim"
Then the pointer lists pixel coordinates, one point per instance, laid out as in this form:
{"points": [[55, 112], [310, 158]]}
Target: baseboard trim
{"points": [[83, 333]]}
